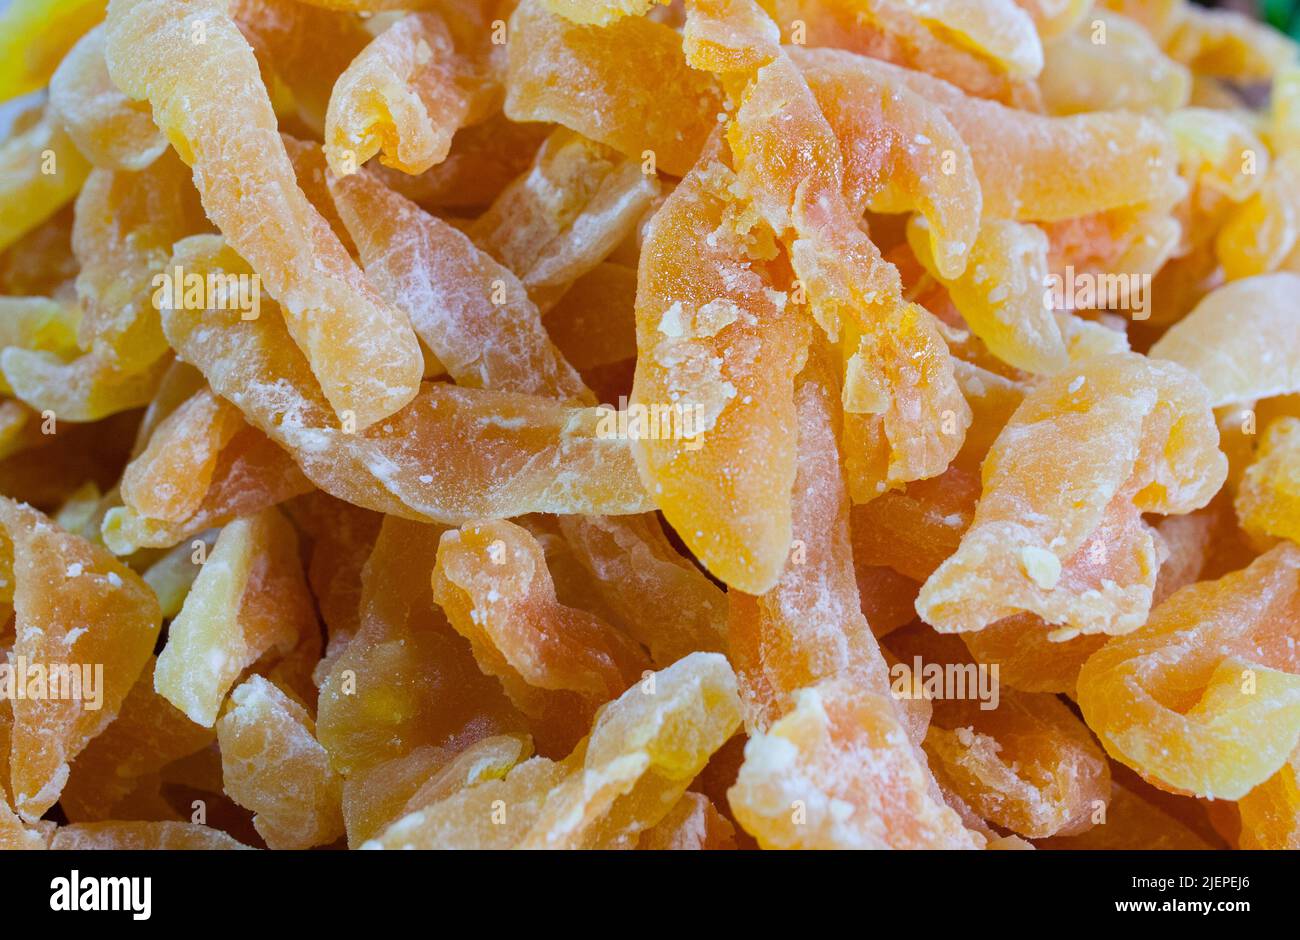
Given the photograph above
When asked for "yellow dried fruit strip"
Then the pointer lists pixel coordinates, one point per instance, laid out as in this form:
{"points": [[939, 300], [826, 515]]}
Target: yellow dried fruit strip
{"points": [[1242, 341], [452, 455], [576, 75], [34, 37], [1270, 813], [109, 129], [361, 349], [137, 836], [1205, 698], [1228, 44], [565, 214], [1268, 500], [272, 764], [41, 169], [249, 599], [471, 312], [77, 608], [172, 575], [1137, 436]]}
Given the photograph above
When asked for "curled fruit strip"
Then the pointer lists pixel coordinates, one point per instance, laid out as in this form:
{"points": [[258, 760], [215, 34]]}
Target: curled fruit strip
{"points": [[1268, 500], [1205, 699], [41, 169], [1137, 436], [1242, 340], [452, 455], [200, 75]]}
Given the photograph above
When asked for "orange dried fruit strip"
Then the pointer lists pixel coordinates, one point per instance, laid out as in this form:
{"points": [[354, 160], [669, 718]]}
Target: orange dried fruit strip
{"points": [[1260, 235], [1242, 340], [1205, 698], [147, 734], [915, 529], [1023, 761], [557, 664], [361, 349], [1136, 436], [564, 215], [406, 679], [838, 771], [41, 169], [250, 598], [137, 836], [1268, 500], [1131, 823], [77, 608], [1066, 166], [471, 312], [594, 323], [693, 823], [272, 764], [402, 97], [44, 323], [577, 76], [451, 455], [1270, 813], [83, 389], [1228, 44], [41, 262], [34, 37], [719, 345], [108, 128], [660, 598]]}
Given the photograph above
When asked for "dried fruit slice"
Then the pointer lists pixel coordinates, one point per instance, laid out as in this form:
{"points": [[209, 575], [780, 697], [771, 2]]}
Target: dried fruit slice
{"points": [[82, 619], [1268, 500], [803, 783], [1205, 699], [136, 836], [1136, 436], [1270, 813], [249, 599], [34, 37], [41, 169], [272, 763], [361, 349], [693, 823], [1228, 44], [1128, 822]]}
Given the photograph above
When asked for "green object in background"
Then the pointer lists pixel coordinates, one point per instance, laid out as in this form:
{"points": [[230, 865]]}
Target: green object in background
{"points": [[1284, 14]]}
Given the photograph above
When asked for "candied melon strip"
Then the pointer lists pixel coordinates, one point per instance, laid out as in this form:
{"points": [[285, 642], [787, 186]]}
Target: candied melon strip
{"points": [[1130, 435], [361, 349], [78, 608], [451, 455], [1205, 698], [1242, 340]]}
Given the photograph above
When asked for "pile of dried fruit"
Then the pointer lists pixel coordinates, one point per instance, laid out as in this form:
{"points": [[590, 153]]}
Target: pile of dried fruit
{"points": [[609, 423]]}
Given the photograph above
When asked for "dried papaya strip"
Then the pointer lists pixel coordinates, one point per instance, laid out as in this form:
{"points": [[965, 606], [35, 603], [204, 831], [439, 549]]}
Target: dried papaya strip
{"points": [[248, 600], [361, 349], [1261, 234], [39, 323], [272, 764], [137, 836], [594, 323], [83, 389], [1138, 437], [576, 75], [402, 97], [1242, 340], [915, 529], [109, 129], [452, 455], [1270, 813], [35, 36], [172, 575], [77, 611], [41, 169], [471, 312], [565, 214], [1205, 698], [557, 664], [1268, 500]]}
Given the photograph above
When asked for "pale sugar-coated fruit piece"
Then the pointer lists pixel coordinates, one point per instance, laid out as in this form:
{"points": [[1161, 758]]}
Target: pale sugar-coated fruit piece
{"points": [[1270, 813], [83, 389], [75, 607], [810, 625], [644, 750], [576, 75], [136, 836], [1220, 151], [1020, 760], [402, 97], [1268, 499], [1228, 44], [108, 128], [1260, 235], [41, 169], [34, 38], [1137, 436], [168, 480], [693, 823], [45, 323], [272, 764], [148, 733], [1242, 340], [1126, 72], [1205, 698], [406, 679], [1066, 166], [839, 772], [249, 598], [577, 202], [1000, 293], [1054, 18], [663, 600], [362, 350], [471, 312], [997, 30], [452, 455], [1128, 822], [556, 663], [719, 345], [599, 12]]}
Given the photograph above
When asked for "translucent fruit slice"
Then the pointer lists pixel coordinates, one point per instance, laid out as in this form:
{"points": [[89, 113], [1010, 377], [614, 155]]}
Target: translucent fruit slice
{"points": [[1268, 499], [137, 836]]}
